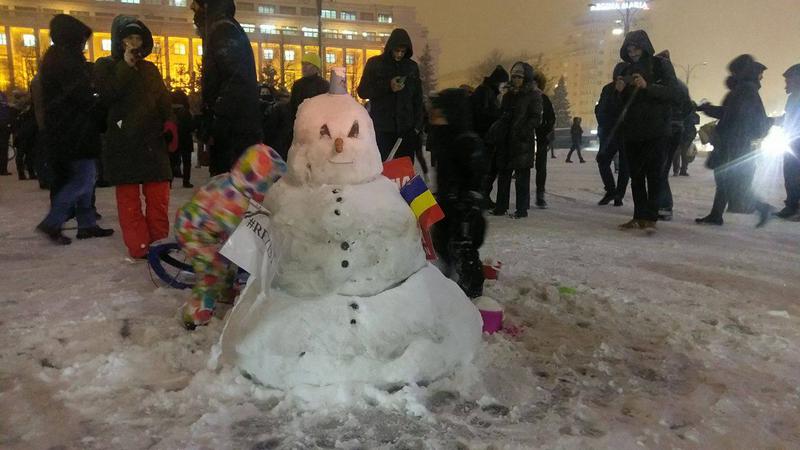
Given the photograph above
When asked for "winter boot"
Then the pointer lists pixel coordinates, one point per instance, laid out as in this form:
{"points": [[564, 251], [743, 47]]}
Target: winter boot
{"points": [[541, 203], [519, 215], [618, 202], [764, 214], [498, 212], [187, 185], [684, 173], [606, 199], [665, 215], [648, 226], [53, 234], [709, 220], [632, 224], [93, 232], [786, 212]]}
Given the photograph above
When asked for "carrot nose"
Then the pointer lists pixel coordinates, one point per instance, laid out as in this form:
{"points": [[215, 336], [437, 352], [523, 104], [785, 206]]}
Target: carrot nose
{"points": [[339, 143]]}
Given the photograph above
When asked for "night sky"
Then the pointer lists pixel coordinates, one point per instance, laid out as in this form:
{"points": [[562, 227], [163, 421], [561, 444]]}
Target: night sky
{"points": [[693, 30]]}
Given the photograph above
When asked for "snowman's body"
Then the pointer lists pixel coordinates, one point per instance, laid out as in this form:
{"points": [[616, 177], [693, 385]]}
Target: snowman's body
{"points": [[353, 300]]}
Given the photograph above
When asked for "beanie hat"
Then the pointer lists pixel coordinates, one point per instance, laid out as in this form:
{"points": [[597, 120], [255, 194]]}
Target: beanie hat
{"points": [[313, 59], [793, 71]]}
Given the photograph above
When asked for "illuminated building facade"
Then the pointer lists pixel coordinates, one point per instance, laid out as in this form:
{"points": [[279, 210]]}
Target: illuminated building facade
{"points": [[279, 31]]}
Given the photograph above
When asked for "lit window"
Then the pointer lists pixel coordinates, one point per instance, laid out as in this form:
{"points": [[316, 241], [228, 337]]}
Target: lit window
{"points": [[269, 53], [3, 40], [268, 29], [330, 58], [179, 49], [288, 55], [347, 15], [105, 44], [328, 14], [199, 50], [309, 32], [266, 9], [348, 34], [29, 40], [249, 27], [135, 2], [384, 18], [181, 3], [350, 60]]}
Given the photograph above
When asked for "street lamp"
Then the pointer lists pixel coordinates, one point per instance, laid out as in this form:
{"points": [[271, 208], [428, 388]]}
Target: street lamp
{"points": [[626, 8], [689, 68]]}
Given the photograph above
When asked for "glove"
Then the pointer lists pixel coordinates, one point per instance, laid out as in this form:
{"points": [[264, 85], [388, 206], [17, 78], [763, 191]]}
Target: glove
{"points": [[171, 135]]}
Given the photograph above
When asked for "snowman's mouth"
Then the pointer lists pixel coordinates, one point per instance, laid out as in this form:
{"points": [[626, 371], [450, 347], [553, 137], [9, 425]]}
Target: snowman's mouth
{"points": [[333, 161]]}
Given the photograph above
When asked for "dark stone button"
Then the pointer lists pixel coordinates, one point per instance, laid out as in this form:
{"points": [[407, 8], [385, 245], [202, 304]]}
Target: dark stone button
{"points": [[345, 263], [336, 191], [353, 322], [337, 212], [345, 246], [339, 199], [354, 305]]}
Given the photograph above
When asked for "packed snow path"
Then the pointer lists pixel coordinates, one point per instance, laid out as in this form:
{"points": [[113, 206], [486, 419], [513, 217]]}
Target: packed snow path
{"points": [[686, 339]]}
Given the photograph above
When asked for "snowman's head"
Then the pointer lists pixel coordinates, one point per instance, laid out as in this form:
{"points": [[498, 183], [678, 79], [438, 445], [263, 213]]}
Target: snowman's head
{"points": [[334, 143]]}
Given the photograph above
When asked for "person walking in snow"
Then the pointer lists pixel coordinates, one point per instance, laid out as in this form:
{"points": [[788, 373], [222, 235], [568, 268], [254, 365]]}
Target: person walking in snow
{"points": [[393, 87], [609, 133], [135, 157], [73, 120], [648, 92], [576, 133], [461, 170], [742, 120]]}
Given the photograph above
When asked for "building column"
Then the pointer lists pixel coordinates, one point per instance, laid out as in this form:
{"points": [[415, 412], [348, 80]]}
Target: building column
{"points": [[168, 75], [283, 62], [260, 59], [191, 63], [10, 57]]}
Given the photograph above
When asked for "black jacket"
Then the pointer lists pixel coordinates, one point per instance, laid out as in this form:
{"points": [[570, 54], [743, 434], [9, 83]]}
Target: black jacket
{"points": [[304, 88], [485, 101], [576, 133], [72, 112], [23, 128], [393, 112], [648, 112], [138, 106], [184, 120], [514, 133], [230, 88], [548, 122]]}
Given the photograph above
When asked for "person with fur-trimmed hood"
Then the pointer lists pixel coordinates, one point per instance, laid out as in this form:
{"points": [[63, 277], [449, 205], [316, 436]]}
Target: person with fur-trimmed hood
{"points": [[231, 116], [135, 157], [648, 91], [460, 172], [392, 84], [514, 136], [73, 120], [742, 120]]}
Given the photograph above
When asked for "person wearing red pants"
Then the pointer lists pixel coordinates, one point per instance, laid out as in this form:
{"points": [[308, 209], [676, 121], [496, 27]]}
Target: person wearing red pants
{"points": [[135, 157]]}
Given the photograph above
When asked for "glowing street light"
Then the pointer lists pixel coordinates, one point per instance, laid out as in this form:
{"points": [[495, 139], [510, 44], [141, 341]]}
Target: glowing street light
{"points": [[617, 31]]}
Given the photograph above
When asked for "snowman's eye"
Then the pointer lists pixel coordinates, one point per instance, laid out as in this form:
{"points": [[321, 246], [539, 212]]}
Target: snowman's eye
{"points": [[324, 131], [353, 130]]}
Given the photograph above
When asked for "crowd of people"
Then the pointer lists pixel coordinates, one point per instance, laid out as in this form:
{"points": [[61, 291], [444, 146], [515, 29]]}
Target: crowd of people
{"points": [[114, 122]]}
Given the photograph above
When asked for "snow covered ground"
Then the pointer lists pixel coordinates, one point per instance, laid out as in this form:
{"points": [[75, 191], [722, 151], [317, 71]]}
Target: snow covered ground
{"points": [[687, 339]]}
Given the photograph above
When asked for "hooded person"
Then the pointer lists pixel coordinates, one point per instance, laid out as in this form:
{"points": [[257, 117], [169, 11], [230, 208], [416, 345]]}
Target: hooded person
{"points": [[485, 104], [514, 135], [310, 85], [609, 133], [742, 120], [135, 157], [576, 137], [392, 84], [543, 140], [460, 173], [182, 159], [648, 91], [72, 119], [791, 160], [232, 120]]}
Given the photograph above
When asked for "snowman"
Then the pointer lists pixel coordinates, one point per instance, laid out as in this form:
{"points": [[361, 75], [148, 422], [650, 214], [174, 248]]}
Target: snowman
{"points": [[353, 299]]}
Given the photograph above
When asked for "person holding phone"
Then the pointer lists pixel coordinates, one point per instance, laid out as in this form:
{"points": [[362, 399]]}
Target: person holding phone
{"points": [[392, 84], [135, 158]]}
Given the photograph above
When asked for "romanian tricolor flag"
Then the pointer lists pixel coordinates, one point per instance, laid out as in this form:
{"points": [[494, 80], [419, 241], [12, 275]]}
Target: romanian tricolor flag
{"points": [[422, 202]]}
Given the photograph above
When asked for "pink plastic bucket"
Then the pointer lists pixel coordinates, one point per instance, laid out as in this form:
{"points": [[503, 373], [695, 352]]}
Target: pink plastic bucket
{"points": [[492, 321]]}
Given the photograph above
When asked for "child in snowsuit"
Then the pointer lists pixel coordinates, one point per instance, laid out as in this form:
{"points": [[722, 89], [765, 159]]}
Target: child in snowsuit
{"points": [[205, 223], [462, 168]]}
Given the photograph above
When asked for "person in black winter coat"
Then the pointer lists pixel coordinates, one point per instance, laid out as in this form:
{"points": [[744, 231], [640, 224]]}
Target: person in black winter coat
{"points": [[742, 120], [5, 133], [576, 133], [73, 120], [310, 85], [485, 104], [681, 161], [229, 87], [514, 136], [461, 169], [648, 91], [276, 120], [543, 135], [182, 158], [24, 129], [393, 87], [609, 133]]}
